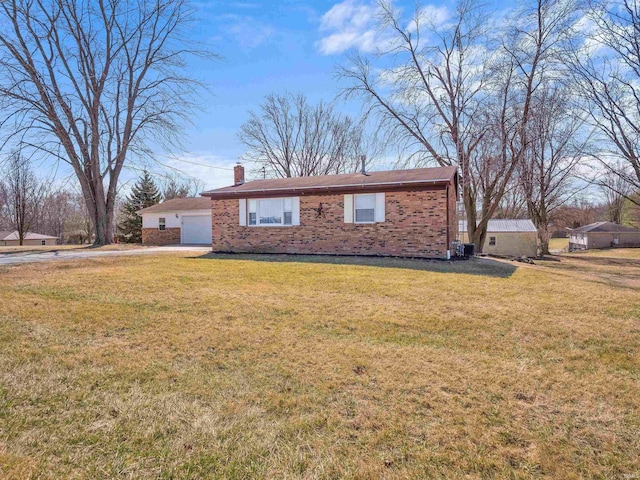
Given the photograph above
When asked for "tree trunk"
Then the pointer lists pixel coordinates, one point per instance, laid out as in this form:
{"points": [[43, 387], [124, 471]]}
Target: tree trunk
{"points": [[543, 236], [475, 233], [103, 224], [478, 238]]}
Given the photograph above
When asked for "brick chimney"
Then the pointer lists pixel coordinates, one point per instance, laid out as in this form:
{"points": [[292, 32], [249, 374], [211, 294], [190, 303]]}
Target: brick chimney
{"points": [[238, 174]]}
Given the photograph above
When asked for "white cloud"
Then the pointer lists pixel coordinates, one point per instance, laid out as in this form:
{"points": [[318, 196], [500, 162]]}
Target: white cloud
{"points": [[349, 24], [242, 30], [430, 15], [250, 33], [246, 5], [353, 24]]}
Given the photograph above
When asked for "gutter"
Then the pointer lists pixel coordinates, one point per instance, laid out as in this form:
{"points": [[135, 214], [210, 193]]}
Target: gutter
{"points": [[323, 188]]}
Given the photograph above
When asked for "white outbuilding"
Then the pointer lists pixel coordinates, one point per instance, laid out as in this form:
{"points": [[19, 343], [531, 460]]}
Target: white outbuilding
{"points": [[507, 237], [184, 221]]}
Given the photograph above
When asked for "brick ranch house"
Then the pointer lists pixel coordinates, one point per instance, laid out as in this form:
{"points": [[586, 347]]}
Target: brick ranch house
{"points": [[410, 213]]}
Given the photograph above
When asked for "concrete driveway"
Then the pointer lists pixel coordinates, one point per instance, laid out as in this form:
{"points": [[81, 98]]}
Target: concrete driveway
{"points": [[16, 258]]}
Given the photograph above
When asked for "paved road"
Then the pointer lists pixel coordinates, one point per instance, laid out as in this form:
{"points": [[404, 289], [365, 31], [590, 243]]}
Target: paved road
{"points": [[35, 256]]}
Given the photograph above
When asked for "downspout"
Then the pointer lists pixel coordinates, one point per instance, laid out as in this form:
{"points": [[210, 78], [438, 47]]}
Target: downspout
{"points": [[448, 225]]}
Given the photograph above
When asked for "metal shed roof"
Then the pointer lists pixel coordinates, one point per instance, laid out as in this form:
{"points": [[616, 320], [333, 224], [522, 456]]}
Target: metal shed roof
{"points": [[504, 225]]}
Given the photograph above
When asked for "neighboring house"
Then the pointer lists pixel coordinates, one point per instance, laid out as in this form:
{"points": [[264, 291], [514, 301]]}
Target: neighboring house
{"points": [[407, 213], [506, 237], [603, 235], [177, 221], [12, 239]]}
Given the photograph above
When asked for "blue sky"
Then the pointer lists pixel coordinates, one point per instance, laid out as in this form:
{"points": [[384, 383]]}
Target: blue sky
{"points": [[266, 47]]}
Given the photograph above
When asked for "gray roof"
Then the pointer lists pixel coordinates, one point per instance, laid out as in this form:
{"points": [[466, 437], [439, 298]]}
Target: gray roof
{"points": [[178, 204], [504, 225], [342, 182], [13, 235], [605, 227]]}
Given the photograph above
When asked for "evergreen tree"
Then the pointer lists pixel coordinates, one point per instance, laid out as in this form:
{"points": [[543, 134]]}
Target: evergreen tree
{"points": [[144, 194]]}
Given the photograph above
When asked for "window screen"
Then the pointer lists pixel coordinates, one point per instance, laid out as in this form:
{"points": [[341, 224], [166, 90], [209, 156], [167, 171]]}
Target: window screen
{"points": [[287, 210], [365, 207], [253, 208]]}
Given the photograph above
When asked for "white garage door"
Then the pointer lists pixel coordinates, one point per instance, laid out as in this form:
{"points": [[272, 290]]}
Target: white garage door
{"points": [[196, 229]]}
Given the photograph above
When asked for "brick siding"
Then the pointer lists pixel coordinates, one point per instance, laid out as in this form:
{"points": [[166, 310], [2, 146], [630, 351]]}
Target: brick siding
{"points": [[415, 226], [153, 236], [453, 216]]}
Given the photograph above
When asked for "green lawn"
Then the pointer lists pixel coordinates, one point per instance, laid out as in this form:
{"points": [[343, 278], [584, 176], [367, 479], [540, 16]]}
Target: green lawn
{"points": [[168, 366]]}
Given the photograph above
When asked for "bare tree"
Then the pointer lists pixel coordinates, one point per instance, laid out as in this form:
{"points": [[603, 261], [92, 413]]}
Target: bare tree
{"points": [[23, 194], [4, 221], [94, 83], [513, 203], [556, 147], [453, 103], [427, 99], [617, 192], [78, 225], [56, 208], [180, 186], [288, 137], [606, 68]]}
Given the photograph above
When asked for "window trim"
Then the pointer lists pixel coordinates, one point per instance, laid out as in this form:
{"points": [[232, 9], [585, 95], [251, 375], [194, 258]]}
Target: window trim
{"points": [[355, 210], [257, 212], [162, 224], [43, 242], [493, 241]]}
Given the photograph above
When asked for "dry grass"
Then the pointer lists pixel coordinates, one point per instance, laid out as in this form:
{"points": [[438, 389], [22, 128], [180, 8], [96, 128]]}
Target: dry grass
{"points": [[56, 248], [39, 248], [251, 367], [558, 244], [610, 253]]}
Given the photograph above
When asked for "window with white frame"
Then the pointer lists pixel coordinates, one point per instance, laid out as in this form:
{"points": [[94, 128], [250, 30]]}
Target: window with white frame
{"points": [[365, 208], [492, 241], [162, 223], [270, 211]]}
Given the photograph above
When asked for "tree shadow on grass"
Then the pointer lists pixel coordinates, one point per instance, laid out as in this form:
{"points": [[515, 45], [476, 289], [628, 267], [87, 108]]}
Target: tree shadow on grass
{"points": [[474, 266]]}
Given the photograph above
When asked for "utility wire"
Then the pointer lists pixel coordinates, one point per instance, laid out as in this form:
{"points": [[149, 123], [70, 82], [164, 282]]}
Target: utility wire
{"points": [[192, 162]]}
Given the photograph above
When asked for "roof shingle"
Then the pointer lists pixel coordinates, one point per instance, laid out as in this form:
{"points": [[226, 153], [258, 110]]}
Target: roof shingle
{"points": [[13, 235], [605, 227], [341, 182], [178, 204]]}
